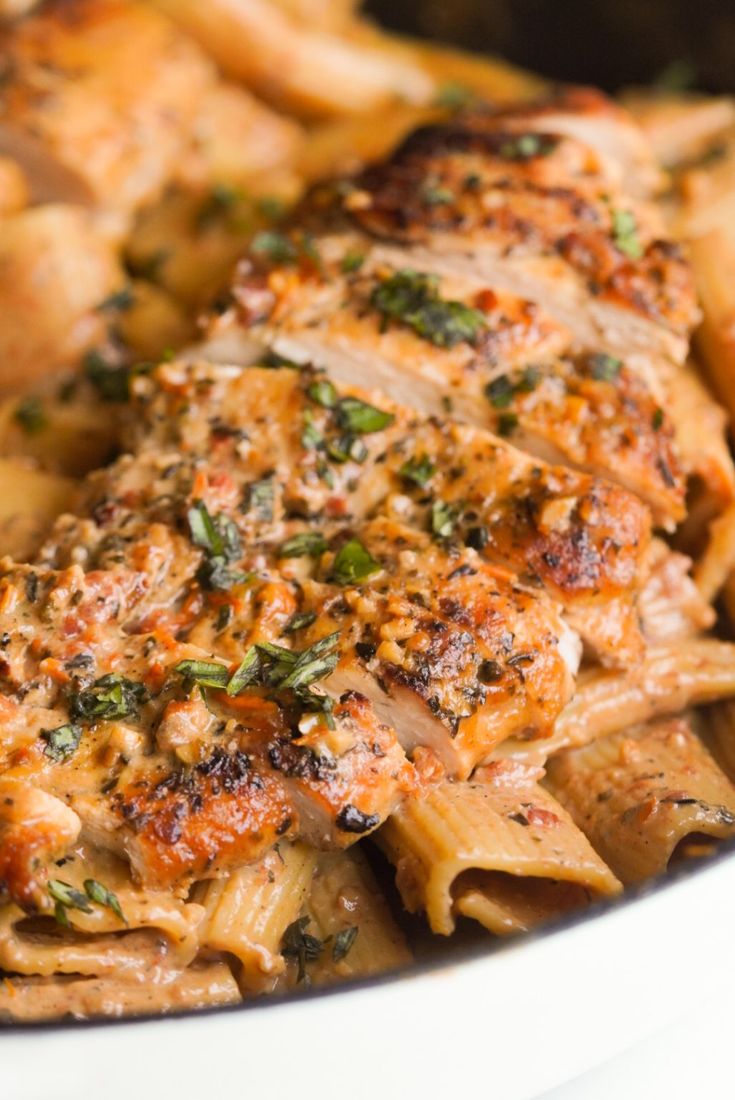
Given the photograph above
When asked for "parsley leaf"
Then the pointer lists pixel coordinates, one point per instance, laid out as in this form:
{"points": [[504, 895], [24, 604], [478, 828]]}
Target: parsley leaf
{"points": [[299, 621], [443, 519], [343, 942], [309, 544], [625, 234], [412, 298], [420, 470], [298, 944], [205, 673], [360, 418], [323, 392], [99, 894], [61, 742], [111, 696], [353, 562], [526, 146], [66, 897], [30, 414], [276, 246], [604, 368]]}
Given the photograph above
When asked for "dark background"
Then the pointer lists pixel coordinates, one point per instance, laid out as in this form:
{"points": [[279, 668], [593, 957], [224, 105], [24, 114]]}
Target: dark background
{"points": [[609, 43]]}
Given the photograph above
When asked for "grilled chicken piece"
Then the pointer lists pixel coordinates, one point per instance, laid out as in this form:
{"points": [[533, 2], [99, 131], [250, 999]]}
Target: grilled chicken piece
{"points": [[495, 360], [56, 267], [590, 117], [581, 539], [344, 782], [450, 651], [178, 787], [35, 828], [516, 209], [75, 112]]}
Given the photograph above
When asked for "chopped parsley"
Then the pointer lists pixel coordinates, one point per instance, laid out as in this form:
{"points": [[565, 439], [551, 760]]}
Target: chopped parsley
{"points": [[65, 896], [412, 298], [454, 96], [276, 246], [286, 670], [419, 470], [343, 942], [323, 392], [219, 538], [443, 519], [299, 945], [434, 193], [361, 418], [245, 673], [507, 423], [657, 419], [309, 544], [117, 302], [30, 414], [111, 696], [625, 234], [100, 895], [260, 498], [111, 382], [352, 563], [217, 206], [204, 673], [351, 262], [61, 742], [604, 368], [299, 621], [502, 390], [526, 146]]}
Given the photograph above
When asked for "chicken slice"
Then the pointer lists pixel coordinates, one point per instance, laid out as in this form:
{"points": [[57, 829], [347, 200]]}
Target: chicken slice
{"points": [[503, 207], [77, 116], [495, 360], [580, 538], [35, 828], [451, 652]]}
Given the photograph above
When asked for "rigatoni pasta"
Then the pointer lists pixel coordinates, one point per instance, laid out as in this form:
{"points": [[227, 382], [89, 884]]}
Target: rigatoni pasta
{"points": [[363, 508]]}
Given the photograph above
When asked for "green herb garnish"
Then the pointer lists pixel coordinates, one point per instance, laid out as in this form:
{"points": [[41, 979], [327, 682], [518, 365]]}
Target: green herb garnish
{"points": [[353, 563], [307, 544], [99, 894], [117, 302], [657, 419], [507, 423], [323, 392], [454, 96], [625, 234], [420, 470], [219, 538], [245, 673], [299, 945], [61, 742], [343, 942], [360, 418], [30, 414], [66, 896], [299, 621], [526, 146], [111, 696], [276, 246], [204, 673], [443, 519], [261, 495], [412, 298], [604, 368], [351, 262]]}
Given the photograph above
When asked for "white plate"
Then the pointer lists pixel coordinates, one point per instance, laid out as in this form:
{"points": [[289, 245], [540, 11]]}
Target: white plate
{"points": [[508, 1024]]}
